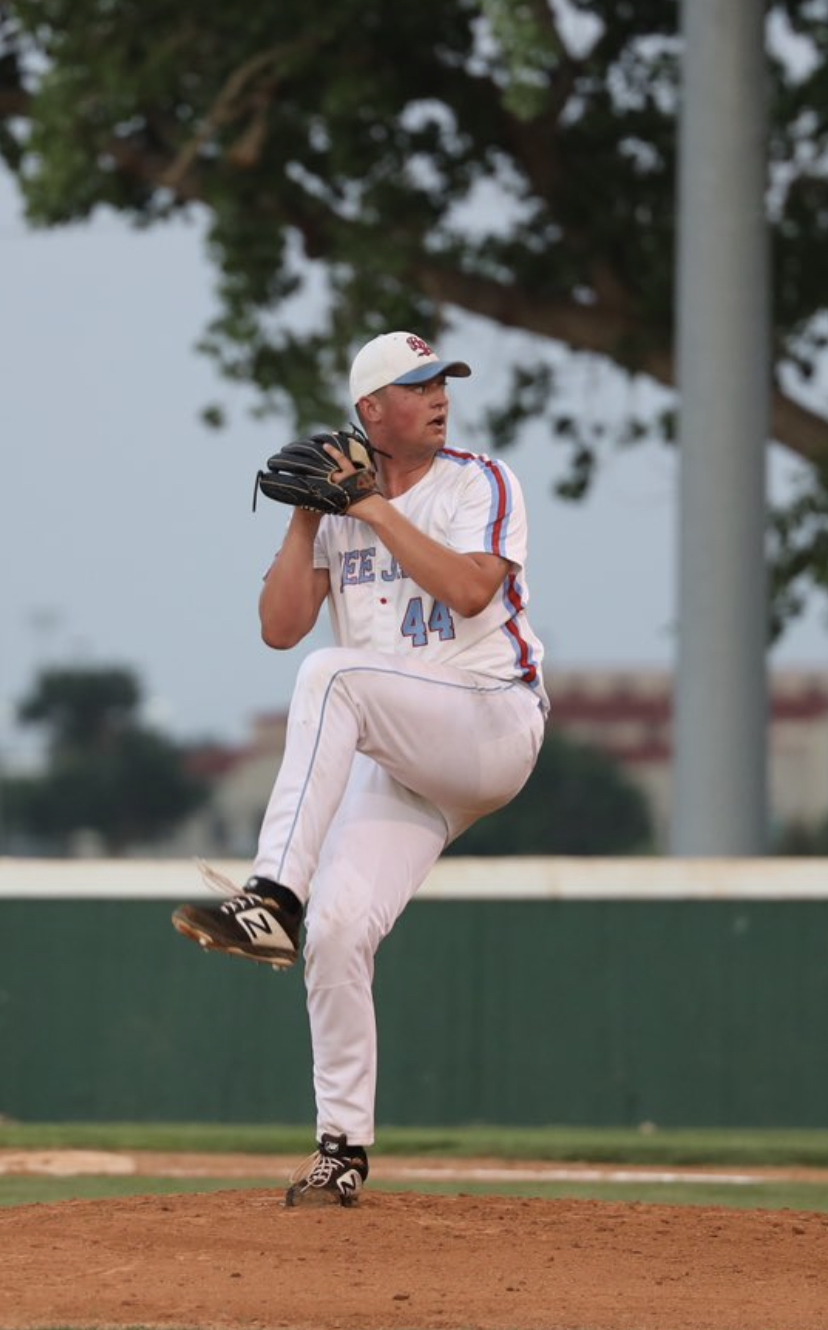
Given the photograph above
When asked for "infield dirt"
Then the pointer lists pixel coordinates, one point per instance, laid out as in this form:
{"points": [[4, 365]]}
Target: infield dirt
{"points": [[406, 1261]]}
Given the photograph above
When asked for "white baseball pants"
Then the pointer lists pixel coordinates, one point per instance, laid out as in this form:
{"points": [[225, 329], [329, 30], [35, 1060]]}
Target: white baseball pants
{"points": [[385, 762]]}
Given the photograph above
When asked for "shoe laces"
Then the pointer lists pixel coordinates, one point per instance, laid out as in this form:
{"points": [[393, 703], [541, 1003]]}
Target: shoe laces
{"points": [[216, 881], [318, 1169], [243, 902], [238, 897]]}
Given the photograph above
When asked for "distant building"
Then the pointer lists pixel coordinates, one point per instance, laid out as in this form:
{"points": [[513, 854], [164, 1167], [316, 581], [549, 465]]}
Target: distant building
{"points": [[629, 715], [625, 713], [242, 778]]}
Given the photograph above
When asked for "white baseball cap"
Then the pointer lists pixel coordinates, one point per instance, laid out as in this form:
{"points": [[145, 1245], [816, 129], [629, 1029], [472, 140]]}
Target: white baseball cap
{"points": [[400, 358]]}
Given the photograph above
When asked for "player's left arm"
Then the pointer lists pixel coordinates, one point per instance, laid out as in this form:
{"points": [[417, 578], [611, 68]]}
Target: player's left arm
{"points": [[465, 582]]}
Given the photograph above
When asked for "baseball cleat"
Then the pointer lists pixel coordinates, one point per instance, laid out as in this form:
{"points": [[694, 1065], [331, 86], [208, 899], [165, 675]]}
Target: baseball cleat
{"points": [[260, 922], [333, 1175]]}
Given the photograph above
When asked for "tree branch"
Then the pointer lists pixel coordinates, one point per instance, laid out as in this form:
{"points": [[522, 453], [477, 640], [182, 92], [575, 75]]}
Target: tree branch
{"points": [[605, 329], [801, 429], [224, 110], [14, 101]]}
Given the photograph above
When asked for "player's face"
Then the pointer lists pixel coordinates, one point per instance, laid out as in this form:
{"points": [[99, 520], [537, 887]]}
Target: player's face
{"points": [[417, 414]]}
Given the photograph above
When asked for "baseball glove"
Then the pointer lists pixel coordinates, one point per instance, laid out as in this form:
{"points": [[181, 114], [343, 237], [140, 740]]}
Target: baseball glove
{"points": [[301, 473]]}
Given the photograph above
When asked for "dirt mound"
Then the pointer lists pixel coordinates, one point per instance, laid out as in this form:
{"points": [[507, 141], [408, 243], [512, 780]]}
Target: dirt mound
{"points": [[241, 1259]]}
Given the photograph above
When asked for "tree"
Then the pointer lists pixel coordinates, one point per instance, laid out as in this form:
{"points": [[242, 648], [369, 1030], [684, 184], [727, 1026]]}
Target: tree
{"points": [[577, 801], [797, 839], [354, 145], [82, 709], [105, 771]]}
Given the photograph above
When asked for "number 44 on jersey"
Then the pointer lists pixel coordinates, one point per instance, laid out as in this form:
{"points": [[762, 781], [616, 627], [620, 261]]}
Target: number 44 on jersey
{"points": [[415, 626]]}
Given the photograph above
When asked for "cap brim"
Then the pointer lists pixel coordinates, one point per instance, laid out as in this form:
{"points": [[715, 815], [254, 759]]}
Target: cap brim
{"points": [[455, 369]]}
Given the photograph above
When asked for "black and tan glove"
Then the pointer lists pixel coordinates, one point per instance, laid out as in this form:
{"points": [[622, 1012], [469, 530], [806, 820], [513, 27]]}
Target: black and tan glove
{"points": [[301, 473]]}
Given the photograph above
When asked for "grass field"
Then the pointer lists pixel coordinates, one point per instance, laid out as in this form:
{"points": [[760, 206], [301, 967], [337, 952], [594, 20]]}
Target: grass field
{"points": [[657, 1151], [16, 1191], [628, 1145]]}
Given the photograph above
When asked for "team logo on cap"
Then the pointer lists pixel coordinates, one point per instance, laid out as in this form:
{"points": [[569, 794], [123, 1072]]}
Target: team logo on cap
{"points": [[418, 346]]}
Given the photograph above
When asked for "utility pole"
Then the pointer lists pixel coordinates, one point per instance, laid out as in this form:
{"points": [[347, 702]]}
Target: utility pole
{"points": [[722, 334]]}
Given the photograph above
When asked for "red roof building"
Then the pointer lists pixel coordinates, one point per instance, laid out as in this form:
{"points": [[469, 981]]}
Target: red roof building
{"points": [[629, 715]]}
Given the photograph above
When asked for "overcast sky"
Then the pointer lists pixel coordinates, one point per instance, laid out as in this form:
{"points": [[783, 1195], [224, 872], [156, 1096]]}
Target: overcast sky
{"points": [[126, 531]]}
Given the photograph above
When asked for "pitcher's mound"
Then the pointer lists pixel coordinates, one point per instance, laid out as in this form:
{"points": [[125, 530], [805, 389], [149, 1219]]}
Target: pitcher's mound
{"points": [[241, 1259]]}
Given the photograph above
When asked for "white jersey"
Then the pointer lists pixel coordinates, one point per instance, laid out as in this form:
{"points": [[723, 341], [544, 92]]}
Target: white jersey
{"points": [[474, 505]]}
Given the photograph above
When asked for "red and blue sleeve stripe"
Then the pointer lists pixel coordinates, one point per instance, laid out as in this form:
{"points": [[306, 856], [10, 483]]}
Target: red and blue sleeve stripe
{"points": [[525, 656], [501, 497]]}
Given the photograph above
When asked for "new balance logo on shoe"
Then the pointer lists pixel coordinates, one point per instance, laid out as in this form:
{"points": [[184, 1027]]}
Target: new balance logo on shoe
{"points": [[258, 924], [261, 922], [349, 1185]]}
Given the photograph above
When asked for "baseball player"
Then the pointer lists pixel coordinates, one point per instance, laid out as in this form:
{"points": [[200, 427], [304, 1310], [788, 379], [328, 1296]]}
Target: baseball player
{"points": [[427, 714]]}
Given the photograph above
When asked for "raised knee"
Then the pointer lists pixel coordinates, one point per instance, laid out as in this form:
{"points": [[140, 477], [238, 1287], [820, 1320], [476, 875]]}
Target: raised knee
{"points": [[320, 666]]}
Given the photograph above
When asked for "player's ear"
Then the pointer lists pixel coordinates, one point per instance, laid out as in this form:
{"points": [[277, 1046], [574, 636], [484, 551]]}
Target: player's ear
{"points": [[369, 409]]}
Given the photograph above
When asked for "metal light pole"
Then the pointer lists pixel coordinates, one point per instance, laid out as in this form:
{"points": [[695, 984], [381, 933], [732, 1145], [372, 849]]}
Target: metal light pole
{"points": [[720, 799]]}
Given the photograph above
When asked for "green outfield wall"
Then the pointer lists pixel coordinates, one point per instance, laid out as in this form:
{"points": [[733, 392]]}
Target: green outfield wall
{"points": [[620, 999]]}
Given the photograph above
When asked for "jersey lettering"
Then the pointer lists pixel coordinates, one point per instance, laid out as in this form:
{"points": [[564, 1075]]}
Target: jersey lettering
{"points": [[357, 567], [472, 504], [393, 573], [414, 624]]}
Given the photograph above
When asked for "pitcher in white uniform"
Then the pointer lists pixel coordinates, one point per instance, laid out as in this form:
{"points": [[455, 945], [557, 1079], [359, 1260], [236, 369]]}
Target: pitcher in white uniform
{"points": [[427, 714]]}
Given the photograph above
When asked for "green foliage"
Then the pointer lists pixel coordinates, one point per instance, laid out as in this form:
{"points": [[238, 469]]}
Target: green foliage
{"points": [[81, 708], [798, 550], [797, 840], [515, 160], [106, 773], [531, 53], [576, 802], [352, 135]]}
